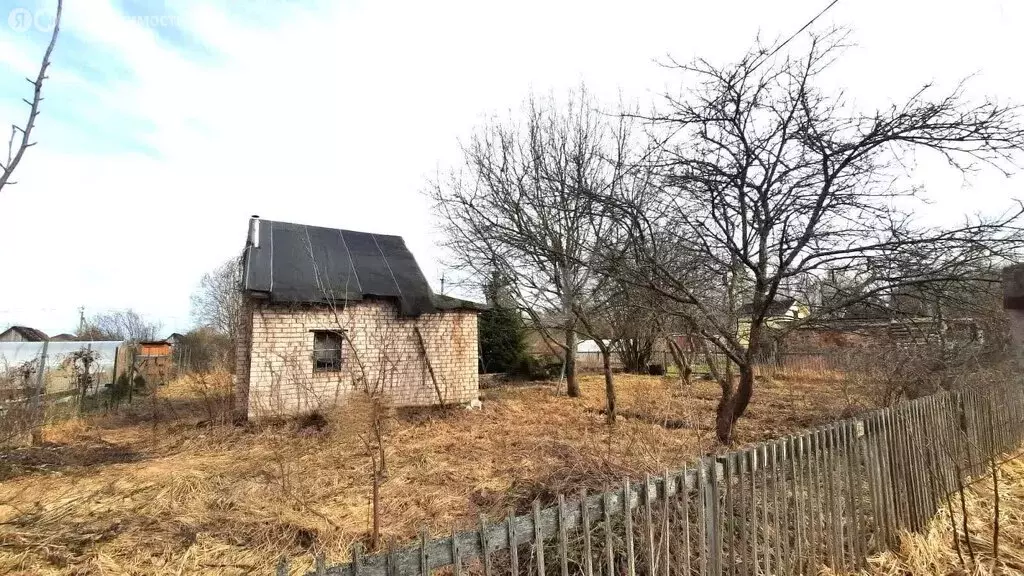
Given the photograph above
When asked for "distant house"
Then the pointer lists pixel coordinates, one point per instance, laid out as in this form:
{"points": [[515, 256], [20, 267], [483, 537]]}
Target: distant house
{"points": [[64, 338], [23, 334], [327, 312], [851, 333], [590, 346], [782, 311], [588, 354], [174, 339]]}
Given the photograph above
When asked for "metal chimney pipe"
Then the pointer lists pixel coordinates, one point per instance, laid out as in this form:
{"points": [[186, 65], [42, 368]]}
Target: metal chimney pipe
{"points": [[254, 231]]}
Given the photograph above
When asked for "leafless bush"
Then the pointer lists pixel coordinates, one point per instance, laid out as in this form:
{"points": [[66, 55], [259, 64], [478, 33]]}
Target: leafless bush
{"points": [[14, 380], [215, 391], [18, 416], [82, 374], [888, 374]]}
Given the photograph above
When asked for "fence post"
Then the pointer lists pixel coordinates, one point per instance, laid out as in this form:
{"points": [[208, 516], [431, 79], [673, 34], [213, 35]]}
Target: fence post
{"points": [[563, 539], [357, 558], [424, 559], [703, 520], [834, 533], [682, 495], [887, 474], [37, 414], [780, 518], [588, 561], [794, 449], [609, 542], [513, 545], [857, 482], [485, 545], [627, 516], [131, 375], [729, 475], [757, 457], [457, 562], [748, 512], [921, 458], [714, 527]]}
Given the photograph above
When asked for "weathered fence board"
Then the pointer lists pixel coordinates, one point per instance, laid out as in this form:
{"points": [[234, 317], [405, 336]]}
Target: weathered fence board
{"points": [[833, 495]]}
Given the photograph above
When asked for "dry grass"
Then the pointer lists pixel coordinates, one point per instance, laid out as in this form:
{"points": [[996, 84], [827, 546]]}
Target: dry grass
{"points": [[934, 552], [164, 488]]}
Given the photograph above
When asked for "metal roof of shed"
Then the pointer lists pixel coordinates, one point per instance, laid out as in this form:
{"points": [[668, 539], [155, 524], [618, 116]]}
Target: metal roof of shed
{"points": [[310, 264]]}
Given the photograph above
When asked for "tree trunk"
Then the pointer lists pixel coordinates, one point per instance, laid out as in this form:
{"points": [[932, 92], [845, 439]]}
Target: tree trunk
{"points": [[375, 535], [572, 387], [635, 354], [609, 384], [682, 363], [734, 402]]}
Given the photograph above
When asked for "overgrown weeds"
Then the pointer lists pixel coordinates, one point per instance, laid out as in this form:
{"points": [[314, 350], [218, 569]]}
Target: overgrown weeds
{"points": [[935, 551], [201, 495]]}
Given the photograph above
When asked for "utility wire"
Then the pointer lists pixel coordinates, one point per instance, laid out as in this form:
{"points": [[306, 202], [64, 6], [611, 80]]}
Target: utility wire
{"points": [[795, 34]]}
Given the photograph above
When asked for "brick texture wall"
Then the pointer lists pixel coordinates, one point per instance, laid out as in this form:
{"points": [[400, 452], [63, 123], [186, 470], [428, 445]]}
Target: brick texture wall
{"points": [[243, 339], [381, 351]]}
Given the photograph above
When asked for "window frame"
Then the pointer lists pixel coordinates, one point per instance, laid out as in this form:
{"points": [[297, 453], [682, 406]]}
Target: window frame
{"points": [[317, 360]]}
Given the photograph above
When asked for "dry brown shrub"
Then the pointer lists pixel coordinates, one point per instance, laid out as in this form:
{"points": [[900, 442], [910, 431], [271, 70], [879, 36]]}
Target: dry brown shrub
{"points": [[933, 552]]}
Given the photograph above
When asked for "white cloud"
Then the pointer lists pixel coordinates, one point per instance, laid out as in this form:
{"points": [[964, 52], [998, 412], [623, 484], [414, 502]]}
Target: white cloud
{"points": [[335, 113]]}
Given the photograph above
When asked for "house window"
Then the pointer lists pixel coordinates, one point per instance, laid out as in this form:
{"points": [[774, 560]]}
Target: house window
{"points": [[326, 350]]}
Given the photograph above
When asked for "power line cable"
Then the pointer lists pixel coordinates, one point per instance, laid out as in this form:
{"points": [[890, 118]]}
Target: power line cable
{"points": [[795, 34]]}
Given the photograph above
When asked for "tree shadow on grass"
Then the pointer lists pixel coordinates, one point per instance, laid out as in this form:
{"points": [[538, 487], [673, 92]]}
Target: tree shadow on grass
{"points": [[50, 458]]}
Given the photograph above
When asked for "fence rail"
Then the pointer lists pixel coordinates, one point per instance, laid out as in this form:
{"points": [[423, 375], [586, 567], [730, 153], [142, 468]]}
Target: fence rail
{"points": [[832, 495]]}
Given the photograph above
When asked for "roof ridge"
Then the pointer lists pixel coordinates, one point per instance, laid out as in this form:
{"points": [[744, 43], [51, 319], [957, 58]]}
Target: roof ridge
{"points": [[265, 220]]}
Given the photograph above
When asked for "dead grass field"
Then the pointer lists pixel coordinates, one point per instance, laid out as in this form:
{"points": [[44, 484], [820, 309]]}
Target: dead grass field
{"points": [[160, 491]]}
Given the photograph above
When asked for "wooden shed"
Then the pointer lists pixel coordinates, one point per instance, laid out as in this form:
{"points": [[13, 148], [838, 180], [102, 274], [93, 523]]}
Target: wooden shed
{"points": [[154, 348]]}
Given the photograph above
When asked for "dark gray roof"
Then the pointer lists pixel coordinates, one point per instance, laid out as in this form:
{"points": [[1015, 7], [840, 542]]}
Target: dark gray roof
{"points": [[779, 307], [308, 264]]}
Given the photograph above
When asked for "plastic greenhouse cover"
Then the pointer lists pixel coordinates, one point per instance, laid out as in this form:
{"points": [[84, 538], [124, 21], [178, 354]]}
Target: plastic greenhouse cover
{"points": [[14, 353]]}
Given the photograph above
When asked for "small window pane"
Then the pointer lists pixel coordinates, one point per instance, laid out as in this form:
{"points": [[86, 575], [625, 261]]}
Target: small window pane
{"points": [[326, 351]]}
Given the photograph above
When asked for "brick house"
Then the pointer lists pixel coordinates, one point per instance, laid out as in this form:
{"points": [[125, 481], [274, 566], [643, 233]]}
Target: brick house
{"points": [[327, 312]]}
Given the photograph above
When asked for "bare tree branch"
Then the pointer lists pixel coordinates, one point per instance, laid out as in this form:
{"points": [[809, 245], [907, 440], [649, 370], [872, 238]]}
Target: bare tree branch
{"points": [[766, 183], [14, 155], [526, 207]]}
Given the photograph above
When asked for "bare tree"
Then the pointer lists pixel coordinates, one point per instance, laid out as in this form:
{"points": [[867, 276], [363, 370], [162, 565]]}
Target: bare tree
{"points": [[525, 205], [120, 325], [635, 317], [204, 349], [217, 302], [767, 182], [15, 153]]}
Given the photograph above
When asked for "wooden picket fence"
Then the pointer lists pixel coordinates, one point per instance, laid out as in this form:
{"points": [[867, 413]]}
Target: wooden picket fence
{"points": [[833, 495]]}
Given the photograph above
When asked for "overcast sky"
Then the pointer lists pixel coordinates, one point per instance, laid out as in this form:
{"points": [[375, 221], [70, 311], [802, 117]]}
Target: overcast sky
{"points": [[166, 124]]}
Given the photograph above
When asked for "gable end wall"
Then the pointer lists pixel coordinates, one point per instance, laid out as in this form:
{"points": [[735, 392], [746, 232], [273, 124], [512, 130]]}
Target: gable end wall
{"points": [[381, 351]]}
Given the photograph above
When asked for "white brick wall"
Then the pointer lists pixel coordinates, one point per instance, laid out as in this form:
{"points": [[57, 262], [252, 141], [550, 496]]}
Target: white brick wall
{"points": [[381, 352]]}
